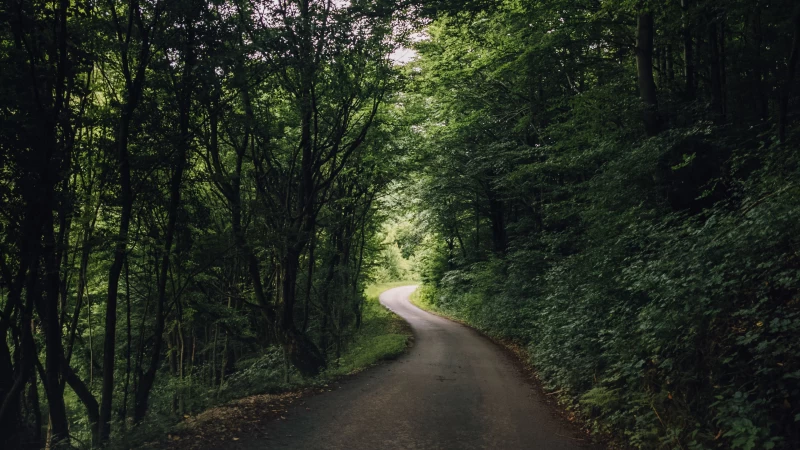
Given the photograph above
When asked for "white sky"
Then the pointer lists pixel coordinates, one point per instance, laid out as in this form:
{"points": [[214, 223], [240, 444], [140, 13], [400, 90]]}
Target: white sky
{"points": [[403, 55]]}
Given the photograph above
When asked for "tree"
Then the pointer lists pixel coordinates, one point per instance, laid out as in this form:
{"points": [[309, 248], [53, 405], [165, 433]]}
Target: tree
{"points": [[644, 69], [622, 239], [166, 166]]}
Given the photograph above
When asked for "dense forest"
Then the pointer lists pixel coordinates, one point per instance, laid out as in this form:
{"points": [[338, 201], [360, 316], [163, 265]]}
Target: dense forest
{"points": [[614, 185], [185, 187], [194, 196]]}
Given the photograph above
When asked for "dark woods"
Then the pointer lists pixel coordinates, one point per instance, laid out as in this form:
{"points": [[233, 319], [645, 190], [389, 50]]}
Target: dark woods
{"points": [[615, 185], [184, 185], [189, 198]]}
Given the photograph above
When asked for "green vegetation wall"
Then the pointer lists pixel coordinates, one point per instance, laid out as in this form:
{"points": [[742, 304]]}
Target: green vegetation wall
{"points": [[615, 185]]}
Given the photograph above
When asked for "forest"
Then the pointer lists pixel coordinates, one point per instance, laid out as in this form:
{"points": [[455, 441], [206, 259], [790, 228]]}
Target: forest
{"points": [[614, 186], [195, 195]]}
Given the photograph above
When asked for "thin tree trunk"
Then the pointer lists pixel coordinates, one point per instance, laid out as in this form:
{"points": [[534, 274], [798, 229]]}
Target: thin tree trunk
{"points": [[13, 374], [33, 395], [759, 96], [82, 280], [91, 338], [670, 66], [497, 216], [128, 349], [213, 375], [460, 241], [54, 352], [184, 101], [688, 53], [86, 397], [181, 366], [787, 89], [309, 280], [717, 109], [644, 68], [120, 254], [148, 378], [134, 85], [359, 265], [13, 385], [723, 69]]}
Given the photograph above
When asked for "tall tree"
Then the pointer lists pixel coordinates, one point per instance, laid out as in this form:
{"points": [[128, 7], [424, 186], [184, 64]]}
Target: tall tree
{"points": [[644, 71], [134, 36]]}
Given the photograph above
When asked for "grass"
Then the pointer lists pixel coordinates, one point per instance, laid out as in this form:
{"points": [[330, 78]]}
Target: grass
{"points": [[374, 291], [383, 334], [423, 297]]}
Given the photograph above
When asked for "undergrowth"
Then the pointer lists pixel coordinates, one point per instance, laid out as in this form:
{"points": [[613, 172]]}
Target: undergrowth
{"points": [[382, 336]]}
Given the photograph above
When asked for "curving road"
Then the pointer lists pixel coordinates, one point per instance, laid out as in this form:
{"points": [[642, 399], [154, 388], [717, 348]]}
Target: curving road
{"points": [[453, 390]]}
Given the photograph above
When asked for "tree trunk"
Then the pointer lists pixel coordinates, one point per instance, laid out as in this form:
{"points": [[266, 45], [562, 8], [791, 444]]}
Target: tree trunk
{"points": [[688, 53], [757, 75], [123, 412], [86, 397], [11, 372], [302, 352], [33, 398], [497, 216], [309, 280], [477, 212], [134, 85], [723, 68], [115, 272], [13, 381], [82, 280], [47, 306], [787, 89], [717, 111], [644, 69], [670, 66], [184, 104]]}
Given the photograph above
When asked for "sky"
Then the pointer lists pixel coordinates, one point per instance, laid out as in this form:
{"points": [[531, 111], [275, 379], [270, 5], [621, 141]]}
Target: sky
{"points": [[403, 55]]}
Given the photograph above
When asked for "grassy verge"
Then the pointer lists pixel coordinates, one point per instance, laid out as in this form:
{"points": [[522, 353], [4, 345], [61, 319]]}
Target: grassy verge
{"points": [[383, 335], [423, 298]]}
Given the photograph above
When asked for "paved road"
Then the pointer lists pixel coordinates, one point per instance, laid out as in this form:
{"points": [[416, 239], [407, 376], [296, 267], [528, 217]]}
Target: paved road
{"points": [[453, 390]]}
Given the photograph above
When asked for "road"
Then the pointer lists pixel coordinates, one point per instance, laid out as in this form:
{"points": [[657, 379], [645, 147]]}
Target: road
{"points": [[454, 389]]}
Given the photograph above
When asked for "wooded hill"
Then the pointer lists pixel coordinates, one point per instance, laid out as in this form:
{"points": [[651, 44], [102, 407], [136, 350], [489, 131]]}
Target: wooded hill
{"points": [[614, 184]]}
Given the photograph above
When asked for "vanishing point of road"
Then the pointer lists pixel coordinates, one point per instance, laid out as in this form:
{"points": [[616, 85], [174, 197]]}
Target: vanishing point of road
{"points": [[454, 389]]}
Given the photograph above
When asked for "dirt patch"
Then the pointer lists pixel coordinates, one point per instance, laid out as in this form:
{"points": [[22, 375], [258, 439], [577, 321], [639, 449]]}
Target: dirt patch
{"points": [[225, 424]]}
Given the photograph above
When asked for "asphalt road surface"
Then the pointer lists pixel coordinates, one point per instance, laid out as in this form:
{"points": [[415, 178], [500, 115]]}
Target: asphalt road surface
{"points": [[454, 389]]}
